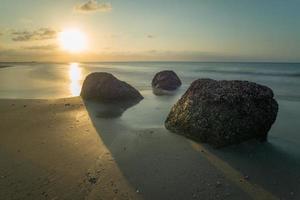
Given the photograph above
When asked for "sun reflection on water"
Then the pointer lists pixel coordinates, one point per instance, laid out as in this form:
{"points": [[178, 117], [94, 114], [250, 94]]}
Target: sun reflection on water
{"points": [[75, 74]]}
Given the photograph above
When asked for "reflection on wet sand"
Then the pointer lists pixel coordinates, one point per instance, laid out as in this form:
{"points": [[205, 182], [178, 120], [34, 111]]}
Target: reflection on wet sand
{"points": [[75, 74]]}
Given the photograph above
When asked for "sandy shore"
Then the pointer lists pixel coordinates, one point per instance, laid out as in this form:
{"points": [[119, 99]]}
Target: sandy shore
{"points": [[50, 150], [59, 149]]}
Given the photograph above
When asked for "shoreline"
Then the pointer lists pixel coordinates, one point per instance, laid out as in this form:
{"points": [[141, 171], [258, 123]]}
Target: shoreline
{"points": [[74, 154]]}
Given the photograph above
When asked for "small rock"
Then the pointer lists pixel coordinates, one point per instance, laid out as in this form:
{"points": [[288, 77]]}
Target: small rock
{"points": [[67, 104], [166, 80], [92, 180]]}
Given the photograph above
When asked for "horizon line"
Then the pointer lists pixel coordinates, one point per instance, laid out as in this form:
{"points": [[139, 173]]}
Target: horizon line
{"points": [[158, 61]]}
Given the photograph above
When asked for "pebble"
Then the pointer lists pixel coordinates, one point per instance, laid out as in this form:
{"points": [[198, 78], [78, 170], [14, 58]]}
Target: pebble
{"points": [[92, 180]]}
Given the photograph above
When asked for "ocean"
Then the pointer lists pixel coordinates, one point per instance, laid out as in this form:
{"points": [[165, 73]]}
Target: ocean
{"points": [[50, 80]]}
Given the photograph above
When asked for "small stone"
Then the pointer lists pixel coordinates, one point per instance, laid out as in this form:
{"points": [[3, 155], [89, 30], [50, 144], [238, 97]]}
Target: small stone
{"points": [[92, 180], [166, 80], [67, 104]]}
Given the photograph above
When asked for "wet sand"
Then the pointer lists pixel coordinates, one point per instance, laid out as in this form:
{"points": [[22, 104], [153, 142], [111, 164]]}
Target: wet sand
{"points": [[60, 149], [50, 150]]}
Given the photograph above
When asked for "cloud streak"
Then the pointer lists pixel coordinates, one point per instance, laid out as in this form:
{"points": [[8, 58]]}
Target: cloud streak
{"points": [[49, 47], [39, 34], [150, 36], [93, 6]]}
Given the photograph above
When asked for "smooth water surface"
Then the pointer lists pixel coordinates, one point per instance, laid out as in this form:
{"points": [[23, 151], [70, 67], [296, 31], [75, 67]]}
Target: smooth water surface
{"points": [[48, 80]]}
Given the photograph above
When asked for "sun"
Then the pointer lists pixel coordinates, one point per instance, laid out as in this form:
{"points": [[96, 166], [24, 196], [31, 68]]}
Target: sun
{"points": [[73, 40]]}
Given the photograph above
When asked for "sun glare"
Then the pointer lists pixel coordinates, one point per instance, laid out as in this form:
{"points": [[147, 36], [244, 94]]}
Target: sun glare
{"points": [[73, 40]]}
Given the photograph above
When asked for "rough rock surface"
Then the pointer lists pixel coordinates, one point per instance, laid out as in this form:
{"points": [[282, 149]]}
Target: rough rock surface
{"points": [[224, 112], [104, 87], [166, 80]]}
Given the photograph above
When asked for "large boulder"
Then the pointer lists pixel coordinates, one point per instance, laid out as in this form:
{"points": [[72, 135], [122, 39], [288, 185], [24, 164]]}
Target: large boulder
{"points": [[224, 112], [104, 87], [165, 80]]}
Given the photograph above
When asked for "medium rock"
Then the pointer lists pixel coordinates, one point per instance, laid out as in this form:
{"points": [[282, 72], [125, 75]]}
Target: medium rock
{"points": [[165, 80], [224, 112], [104, 87]]}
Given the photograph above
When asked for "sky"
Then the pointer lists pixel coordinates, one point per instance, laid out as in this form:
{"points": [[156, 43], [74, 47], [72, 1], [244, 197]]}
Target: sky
{"points": [[152, 30]]}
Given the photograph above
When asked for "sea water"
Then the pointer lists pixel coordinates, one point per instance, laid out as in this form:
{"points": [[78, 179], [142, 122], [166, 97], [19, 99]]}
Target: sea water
{"points": [[58, 80]]}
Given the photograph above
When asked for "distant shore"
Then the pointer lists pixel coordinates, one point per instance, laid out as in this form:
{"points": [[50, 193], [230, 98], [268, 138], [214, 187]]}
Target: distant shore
{"points": [[4, 66]]}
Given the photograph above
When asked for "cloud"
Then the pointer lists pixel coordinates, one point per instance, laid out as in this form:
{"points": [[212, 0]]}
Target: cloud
{"points": [[150, 36], [48, 47], [93, 6], [39, 34]]}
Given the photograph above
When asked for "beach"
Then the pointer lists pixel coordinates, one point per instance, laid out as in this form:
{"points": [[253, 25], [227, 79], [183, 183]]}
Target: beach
{"points": [[50, 151], [149, 100], [59, 149], [64, 148]]}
